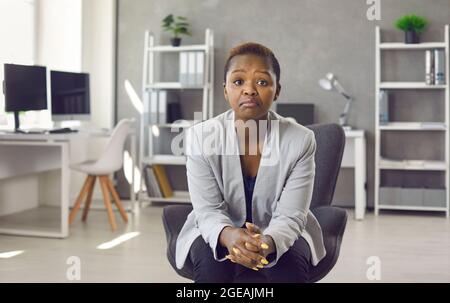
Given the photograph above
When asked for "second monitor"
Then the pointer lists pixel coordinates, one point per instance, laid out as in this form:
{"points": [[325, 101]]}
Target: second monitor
{"points": [[70, 96]]}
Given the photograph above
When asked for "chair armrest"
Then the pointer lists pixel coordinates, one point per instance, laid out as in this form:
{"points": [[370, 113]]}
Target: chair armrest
{"points": [[332, 220]]}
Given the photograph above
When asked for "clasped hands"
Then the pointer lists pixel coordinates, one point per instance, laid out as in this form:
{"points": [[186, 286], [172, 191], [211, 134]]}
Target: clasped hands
{"points": [[247, 246]]}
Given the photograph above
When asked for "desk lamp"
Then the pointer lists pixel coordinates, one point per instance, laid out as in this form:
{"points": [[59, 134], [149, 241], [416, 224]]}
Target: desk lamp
{"points": [[330, 82]]}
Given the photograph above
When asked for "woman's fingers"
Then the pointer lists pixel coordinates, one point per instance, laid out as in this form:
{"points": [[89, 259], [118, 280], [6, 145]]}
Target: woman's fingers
{"points": [[250, 238], [252, 227], [255, 240], [255, 258], [242, 259], [251, 247]]}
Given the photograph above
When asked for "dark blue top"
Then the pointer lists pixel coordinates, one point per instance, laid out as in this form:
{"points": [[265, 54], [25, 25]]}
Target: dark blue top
{"points": [[249, 185]]}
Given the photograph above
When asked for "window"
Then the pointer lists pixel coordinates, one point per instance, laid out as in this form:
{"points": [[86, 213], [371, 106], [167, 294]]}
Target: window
{"points": [[18, 45]]}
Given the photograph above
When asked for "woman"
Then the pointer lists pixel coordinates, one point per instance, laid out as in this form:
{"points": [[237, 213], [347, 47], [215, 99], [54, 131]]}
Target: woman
{"points": [[250, 205]]}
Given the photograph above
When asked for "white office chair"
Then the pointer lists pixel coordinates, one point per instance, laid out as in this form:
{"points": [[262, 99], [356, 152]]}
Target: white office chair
{"points": [[110, 161]]}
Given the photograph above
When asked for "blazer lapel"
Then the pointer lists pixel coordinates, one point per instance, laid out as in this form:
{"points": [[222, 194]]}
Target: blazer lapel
{"points": [[235, 178]]}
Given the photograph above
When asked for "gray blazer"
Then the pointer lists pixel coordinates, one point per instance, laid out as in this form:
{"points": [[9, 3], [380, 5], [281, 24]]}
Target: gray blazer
{"points": [[282, 192]]}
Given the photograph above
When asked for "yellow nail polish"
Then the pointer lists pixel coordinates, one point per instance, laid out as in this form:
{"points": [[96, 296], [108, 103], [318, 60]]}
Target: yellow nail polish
{"points": [[264, 246], [254, 268], [236, 251], [264, 261], [259, 266]]}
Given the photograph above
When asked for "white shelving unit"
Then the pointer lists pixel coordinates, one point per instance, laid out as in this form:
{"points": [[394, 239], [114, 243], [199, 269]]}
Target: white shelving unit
{"points": [[150, 84], [414, 165]]}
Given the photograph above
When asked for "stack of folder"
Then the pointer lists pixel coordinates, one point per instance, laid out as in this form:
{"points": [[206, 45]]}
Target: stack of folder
{"points": [[192, 68], [156, 181], [435, 67]]}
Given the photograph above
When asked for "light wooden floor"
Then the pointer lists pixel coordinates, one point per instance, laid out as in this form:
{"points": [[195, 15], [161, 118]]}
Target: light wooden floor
{"points": [[412, 247]]}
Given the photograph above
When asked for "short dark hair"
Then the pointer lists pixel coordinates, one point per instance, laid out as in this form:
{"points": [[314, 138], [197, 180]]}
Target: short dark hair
{"points": [[253, 49]]}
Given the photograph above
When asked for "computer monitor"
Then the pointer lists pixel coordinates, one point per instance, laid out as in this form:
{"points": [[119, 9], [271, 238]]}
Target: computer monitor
{"points": [[25, 88], [70, 96], [303, 113]]}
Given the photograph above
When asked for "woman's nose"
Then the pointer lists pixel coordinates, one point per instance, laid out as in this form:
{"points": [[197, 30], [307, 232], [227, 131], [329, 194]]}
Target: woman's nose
{"points": [[249, 90]]}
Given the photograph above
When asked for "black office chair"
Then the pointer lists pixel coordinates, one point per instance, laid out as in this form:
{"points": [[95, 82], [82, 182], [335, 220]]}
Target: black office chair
{"points": [[330, 140]]}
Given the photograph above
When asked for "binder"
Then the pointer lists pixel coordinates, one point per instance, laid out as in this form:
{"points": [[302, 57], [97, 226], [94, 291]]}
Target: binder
{"points": [[151, 183], [429, 63], [384, 107], [147, 172], [200, 59], [191, 69], [439, 67], [163, 181], [154, 107], [162, 107], [183, 69]]}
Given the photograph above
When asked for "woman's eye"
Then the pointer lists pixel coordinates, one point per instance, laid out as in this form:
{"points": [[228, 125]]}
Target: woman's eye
{"points": [[238, 82], [262, 82]]}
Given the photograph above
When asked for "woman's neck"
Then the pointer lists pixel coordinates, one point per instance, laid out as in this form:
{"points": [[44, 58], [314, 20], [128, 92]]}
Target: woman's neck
{"points": [[249, 142]]}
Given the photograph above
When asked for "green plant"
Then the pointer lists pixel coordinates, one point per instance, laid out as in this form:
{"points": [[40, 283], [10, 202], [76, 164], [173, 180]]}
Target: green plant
{"points": [[411, 23], [176, 25]]}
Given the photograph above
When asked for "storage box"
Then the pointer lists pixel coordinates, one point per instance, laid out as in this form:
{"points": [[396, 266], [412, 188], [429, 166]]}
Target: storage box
{"points": [[434, 197], [411, 196], [389, 195]]}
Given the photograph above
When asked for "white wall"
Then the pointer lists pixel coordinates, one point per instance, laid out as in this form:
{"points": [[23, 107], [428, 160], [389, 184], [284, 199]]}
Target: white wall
{"points": [[98, 53], [18, 44], [74, 35], [59, 34], [79, 35]]}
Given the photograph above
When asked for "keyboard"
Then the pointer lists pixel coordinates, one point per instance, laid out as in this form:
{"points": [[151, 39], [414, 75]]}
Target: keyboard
{"points": [[64, 130]]}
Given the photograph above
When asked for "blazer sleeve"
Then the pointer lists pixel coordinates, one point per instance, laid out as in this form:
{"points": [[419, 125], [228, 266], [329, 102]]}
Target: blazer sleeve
{"points": [[289, 218], [210, 209]]}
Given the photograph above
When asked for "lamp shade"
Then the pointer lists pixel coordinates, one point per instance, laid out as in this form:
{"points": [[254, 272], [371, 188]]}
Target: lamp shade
{"points": [[326, 83]]}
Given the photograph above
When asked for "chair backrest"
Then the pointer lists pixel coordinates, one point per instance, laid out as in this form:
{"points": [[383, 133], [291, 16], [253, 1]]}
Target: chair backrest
{"points": [[330, 139], [113, 154]]}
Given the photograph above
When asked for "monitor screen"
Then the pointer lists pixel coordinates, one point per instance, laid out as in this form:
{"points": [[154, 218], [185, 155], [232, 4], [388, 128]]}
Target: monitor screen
{"points": [[25, 87], [303, 113], [70, 93]]}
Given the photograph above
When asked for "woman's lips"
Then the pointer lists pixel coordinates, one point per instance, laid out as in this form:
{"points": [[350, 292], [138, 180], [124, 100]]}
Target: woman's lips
{"points": [[250, 103]]}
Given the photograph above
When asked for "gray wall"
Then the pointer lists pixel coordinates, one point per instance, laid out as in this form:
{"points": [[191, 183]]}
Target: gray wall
{"points": [[309, 37]]}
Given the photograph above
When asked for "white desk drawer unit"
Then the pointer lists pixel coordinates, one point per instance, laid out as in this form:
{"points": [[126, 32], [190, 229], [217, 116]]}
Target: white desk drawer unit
{"points": [[355, 157]]}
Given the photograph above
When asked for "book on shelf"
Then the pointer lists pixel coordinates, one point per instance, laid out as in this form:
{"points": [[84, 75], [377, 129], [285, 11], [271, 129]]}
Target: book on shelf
{"points": [[435, 67], [439, 67], [384, 107], [200, 61], [173, 112], [156, 181], [154, 107], [191, 69], [163, 181], [164, 107], [151, 183], [429, 67], [183, 68]]}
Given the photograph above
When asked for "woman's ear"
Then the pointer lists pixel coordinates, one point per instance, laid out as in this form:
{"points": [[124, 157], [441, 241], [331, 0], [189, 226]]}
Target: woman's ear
{"points": [[277, 92], [225, 94]]}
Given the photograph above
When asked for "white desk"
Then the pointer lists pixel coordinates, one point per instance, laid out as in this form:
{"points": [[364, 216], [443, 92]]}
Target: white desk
{"points": [[355, 157], [23, 154]]}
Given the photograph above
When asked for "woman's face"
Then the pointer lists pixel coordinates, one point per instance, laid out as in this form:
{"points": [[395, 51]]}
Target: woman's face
{"points": [[250, 87]]}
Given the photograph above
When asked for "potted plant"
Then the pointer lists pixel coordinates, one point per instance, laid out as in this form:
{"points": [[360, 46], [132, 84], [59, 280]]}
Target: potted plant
{"points": [[177, 26], [412, 25]]}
